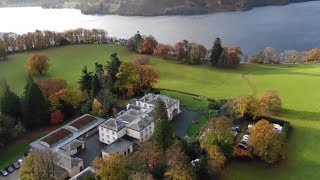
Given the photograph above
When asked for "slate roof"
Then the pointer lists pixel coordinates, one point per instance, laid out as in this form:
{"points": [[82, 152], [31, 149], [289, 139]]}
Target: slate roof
{"points": [[67, 162], [114, 124], [120, 145], [72, 145], [127, 117], [141, 125]]}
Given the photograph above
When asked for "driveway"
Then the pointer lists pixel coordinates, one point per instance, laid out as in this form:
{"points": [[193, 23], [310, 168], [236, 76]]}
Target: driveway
{"points": [[92, 150], [184, 120]]}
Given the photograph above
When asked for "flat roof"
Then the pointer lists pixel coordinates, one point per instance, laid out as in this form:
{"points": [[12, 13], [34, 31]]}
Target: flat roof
{"points": [[120, 145], [74, 135], [83, 121], [56, 137]]}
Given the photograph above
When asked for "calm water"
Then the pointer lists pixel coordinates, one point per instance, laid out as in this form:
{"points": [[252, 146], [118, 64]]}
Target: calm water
{"points": [[296, 26]]}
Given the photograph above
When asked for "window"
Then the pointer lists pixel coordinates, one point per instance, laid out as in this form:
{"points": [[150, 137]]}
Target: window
{"points": [[102, 139], [114, 138], [108, 141], [113, 132], [108, 136], [102, 134], [141, 133], [107, 130]]}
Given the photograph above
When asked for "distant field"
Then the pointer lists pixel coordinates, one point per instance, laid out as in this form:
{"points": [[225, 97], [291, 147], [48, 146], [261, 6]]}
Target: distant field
{"points": [[298, 85]]}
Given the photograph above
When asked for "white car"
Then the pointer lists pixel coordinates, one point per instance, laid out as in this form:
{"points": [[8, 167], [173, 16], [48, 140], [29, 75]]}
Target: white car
{"points": [[4, 172]]}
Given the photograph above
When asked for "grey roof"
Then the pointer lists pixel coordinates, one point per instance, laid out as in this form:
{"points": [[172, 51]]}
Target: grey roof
{"points": [[60, 172], [83, 174], [118, 146], [131, 106], [75, 134], [114, 125], [67, 162], [152, 99], [72, 145], [127, 117], [132, 101], [141, 125]]}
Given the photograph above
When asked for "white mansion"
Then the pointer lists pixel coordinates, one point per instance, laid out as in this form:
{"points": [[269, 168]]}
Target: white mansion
{"points": [[136, 122]]}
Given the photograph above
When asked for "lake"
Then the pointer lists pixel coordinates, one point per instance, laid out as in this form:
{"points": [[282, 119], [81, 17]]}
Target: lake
{"points": [[295, 26]]}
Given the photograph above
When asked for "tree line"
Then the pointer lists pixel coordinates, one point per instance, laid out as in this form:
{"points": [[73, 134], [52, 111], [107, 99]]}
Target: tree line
{"points": [[13, 43]]}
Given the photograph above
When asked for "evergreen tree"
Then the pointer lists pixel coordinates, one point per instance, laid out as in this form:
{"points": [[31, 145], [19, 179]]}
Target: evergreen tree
{"points": [[163, 133], [2, 50], [216, 51], [35, 107], [113, 69], [86, 80], [96, 85], [10, 103]]}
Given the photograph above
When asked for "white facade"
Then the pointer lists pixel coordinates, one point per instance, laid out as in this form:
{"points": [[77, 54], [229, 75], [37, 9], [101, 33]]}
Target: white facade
{"points": [[108, 136]]}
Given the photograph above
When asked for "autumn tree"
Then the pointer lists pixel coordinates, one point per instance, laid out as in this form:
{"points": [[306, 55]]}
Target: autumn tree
{"points": [[182, 50], [163, 133], [216, 157], [135, 79], [162, 50], [266, 56], [35, 107], [10, 102], [216, 51], [57, 117], [312, 55], [218, 132], [150, 156], [142, 60], [51, 86], [140, 176], [266, 142], [235, 55], [247, 106], [179, 167], [111, 167], [291, 56], [38, 165], [38, 63], [197, 54], [85, 81], [68, 100], [107, 100], [97, 107], [271, 103], [148, 45]]}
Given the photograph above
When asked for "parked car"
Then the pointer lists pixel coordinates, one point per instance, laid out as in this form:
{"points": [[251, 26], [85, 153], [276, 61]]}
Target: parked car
{"points": [[10, 169], [16, 165], [20, 161], [4, 172]]}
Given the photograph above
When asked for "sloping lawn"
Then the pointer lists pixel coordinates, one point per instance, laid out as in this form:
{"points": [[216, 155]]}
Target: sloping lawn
{"points": [[298, 85]]}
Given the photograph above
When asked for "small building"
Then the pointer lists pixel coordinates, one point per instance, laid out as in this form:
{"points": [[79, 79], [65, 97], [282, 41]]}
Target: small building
{"points": [[72, 165], [88, 172], [73, 147], [118, 146]]}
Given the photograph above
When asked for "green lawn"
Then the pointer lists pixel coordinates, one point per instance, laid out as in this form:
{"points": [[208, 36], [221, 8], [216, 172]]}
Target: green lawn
{"points": [[298, 85], [11, 156]]}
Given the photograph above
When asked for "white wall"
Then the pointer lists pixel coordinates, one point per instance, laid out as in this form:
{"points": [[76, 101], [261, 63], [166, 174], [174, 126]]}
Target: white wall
{"points": [[104, 154], [108, 136]]}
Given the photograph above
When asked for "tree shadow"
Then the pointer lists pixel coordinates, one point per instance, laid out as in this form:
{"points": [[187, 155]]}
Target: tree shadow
{"points": [[301, 115]]}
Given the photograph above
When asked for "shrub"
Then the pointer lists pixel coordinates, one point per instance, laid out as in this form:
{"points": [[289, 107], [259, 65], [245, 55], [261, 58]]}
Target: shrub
{"points": [[57, 117]]}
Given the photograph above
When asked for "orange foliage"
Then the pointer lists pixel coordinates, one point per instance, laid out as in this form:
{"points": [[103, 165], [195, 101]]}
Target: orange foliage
{"points": [[51, 86], [242, 153], [162, 50], [148, 45], [234, 55], [38, 64], [313, 55]]}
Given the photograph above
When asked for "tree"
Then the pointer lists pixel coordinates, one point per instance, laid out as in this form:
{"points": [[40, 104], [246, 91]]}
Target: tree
{"points": [[111, 167], [312, 55], [57, 117], [50, 87], [97, 107], [38, 63], [10, 103], [197, 54], [2, 50], [235, 55], [86, 81], [247, 106], [291, 56], [142, 60], [141, 175], [96, 85], [107, 100], [266, 142], [38, 165], [271, 102], [135, 79], [218, 132], [216, 157], [178, 164], [162, 50], [163, 133], [68, 100], [35, 107], [266, 56], [216, 51], [134, 42], [148, 45], [113, 69]]}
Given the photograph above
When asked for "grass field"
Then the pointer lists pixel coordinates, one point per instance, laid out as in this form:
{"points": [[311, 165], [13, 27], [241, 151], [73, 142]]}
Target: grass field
{"points": [[298, 85]]}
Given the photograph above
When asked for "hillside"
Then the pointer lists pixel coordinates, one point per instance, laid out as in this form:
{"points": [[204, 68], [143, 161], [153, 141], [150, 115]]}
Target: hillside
{"points": [[297, 85], [172, 7]]}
